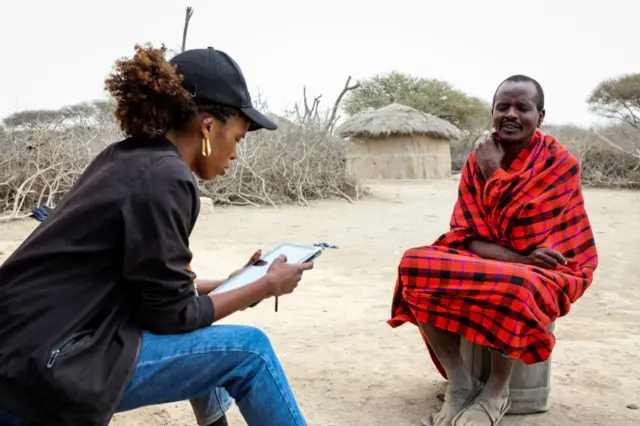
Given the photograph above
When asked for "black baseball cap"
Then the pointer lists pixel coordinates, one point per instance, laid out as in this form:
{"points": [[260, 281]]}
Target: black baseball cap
{"points": [[211, 75]]}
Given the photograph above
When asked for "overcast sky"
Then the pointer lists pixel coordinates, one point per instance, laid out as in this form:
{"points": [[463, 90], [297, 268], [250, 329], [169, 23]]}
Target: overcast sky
{"points": [[57, 53]]}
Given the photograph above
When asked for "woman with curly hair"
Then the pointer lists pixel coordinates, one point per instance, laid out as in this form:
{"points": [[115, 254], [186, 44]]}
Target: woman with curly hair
{"points": [[99, 309]]}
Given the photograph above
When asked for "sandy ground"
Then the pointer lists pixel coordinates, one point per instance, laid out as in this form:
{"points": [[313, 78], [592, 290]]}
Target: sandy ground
{"points": [[347, 367]]}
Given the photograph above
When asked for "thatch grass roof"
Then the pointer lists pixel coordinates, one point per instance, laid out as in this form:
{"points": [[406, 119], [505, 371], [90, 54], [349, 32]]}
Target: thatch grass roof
{"points": [[397, 120]]}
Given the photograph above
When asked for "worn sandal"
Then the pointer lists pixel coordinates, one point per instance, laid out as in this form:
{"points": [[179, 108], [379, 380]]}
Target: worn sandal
{"points": [[494, 412], [428, 419]]}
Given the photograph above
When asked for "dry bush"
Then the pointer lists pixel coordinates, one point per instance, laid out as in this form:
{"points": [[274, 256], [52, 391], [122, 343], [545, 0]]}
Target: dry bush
{"points": [[39, 164], [299, 162], [45, 151], [292, 164], [606, 154], [610, 156]]}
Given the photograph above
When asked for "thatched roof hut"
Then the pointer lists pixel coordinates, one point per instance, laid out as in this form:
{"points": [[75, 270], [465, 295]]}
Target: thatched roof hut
{"points": [[399, 142], [398, 120]]}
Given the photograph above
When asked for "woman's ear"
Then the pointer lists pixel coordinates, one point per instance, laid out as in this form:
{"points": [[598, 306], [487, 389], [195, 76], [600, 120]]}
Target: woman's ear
{"points": [[206, 127]]}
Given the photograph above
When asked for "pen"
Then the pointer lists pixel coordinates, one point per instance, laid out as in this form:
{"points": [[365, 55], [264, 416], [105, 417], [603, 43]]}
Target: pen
{"points": [[276, 303]]}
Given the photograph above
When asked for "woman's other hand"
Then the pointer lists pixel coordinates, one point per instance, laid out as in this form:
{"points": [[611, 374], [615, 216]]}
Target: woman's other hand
{"points": [[284, 277], [254, 258]]}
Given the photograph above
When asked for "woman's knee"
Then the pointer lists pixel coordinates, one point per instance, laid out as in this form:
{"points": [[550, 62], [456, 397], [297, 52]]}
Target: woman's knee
{"points": [[243, 337], [257, 338]]}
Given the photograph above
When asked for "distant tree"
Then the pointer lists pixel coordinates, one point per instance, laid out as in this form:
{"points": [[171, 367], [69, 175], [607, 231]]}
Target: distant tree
{"points": [[83, 114], [33, 119], [88, 114], [618, 99], [432, 96]]}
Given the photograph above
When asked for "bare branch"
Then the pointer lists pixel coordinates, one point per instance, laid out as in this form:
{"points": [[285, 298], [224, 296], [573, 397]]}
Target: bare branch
{"points": [[187, 18], [11, 218], [336, 105], [616, 146]]}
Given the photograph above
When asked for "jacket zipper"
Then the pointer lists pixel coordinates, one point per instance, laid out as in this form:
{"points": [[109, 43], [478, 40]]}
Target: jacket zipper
{"points": [[62, 346], [52, 358]]}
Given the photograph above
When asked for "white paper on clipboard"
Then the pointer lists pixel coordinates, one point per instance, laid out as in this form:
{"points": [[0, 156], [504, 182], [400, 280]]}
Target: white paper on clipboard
{"points": [[295, 253]]}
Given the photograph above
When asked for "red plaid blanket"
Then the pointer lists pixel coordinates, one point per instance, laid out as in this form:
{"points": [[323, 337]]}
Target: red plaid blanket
{"points": [[505, 306]]}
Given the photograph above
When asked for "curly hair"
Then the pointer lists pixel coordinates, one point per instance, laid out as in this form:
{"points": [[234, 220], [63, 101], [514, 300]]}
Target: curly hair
{"points": [[150, 98]]}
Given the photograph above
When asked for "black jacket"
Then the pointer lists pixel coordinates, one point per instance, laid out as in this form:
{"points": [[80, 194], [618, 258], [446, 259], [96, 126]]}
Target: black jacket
{"points": [[110, 261]]}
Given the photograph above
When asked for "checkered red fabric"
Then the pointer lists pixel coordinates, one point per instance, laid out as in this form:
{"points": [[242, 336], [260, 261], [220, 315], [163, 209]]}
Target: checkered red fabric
{"points": [[504, 306]]}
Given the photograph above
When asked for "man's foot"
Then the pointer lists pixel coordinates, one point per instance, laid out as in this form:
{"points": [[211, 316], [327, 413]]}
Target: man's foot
{"points": [[222, 421], [486, 410], [455, 400]]}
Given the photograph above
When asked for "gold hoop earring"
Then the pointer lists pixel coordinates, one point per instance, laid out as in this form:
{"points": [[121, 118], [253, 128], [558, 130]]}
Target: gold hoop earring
{"points": [[206, 147]]}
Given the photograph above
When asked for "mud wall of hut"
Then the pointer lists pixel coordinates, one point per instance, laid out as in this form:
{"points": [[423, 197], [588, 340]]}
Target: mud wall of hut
{"points": [[400, 157]]}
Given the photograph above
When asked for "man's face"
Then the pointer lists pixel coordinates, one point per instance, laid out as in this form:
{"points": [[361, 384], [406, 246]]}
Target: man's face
{"points": [[515, 113]]}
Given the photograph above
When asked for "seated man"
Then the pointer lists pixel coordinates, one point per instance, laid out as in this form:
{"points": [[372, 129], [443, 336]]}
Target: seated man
{"points": [[520, 251]]}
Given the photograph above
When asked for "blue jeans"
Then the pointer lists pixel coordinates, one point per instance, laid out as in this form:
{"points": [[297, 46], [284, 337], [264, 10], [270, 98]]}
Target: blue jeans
{"points": [[209, 367]]}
